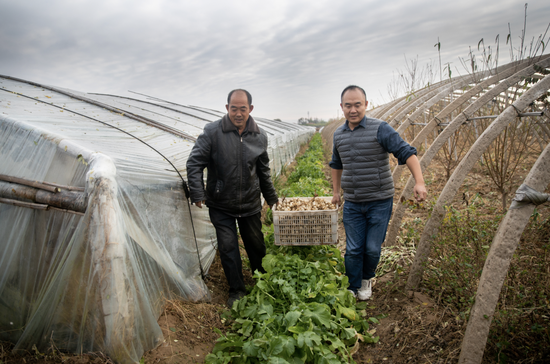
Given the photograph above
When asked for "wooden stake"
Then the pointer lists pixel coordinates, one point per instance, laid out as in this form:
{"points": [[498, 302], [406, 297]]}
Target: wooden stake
{"points": [[30, 183], [63, 187], [66, 200], [23, 204]]}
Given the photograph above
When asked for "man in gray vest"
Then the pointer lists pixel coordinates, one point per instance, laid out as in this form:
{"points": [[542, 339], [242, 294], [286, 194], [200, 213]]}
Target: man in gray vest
{"points": [[360, 166]]}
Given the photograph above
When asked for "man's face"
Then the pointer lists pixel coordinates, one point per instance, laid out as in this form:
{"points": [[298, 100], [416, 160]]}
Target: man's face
{"points": [[238, 110], [354, 106]]}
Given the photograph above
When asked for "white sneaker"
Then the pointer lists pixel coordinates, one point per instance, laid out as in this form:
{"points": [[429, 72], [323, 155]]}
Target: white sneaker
{"points": [[365, 292], [352, 293]]}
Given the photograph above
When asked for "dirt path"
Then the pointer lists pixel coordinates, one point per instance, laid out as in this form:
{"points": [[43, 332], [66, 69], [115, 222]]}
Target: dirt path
{"points": [[412, 327]]}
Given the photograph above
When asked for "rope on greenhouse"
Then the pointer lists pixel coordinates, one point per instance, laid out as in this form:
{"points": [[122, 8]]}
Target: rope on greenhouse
{"points": [[126, 113], [185, 187], [526, 195], [157, 105], [174, 103], [272, 123]]}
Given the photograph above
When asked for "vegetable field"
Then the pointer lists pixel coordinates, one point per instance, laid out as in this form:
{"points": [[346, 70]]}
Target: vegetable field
{"points": [[396, 326], [463, 276]]}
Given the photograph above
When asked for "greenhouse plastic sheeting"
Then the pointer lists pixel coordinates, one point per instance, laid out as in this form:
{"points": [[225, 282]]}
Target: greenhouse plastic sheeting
{"points": [[97, 280]]}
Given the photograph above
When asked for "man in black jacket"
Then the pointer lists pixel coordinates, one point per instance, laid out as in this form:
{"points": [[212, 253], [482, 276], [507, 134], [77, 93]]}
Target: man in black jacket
{"points": [[234, 152]]}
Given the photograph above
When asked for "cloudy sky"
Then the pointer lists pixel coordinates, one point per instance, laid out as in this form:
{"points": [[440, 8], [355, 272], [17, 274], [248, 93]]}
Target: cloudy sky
{"points": [[294, 56]]}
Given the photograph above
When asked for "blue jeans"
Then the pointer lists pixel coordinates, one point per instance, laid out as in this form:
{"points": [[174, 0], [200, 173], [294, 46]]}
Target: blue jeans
{"points": [[366, 224]]}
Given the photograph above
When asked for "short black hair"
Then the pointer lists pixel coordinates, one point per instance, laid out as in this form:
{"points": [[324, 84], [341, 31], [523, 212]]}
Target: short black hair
{"points": [[248, 96], [353, 87]]}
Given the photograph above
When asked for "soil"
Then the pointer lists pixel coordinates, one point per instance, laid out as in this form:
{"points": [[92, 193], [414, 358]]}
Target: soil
{"points": [[412, 327]]}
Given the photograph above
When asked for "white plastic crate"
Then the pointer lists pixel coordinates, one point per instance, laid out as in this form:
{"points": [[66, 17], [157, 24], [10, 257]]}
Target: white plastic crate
{"points": [[315, 227]]}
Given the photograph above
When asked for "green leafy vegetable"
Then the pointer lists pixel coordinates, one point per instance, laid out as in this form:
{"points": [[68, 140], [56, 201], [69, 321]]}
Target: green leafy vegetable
{"points": [[300, 310]]}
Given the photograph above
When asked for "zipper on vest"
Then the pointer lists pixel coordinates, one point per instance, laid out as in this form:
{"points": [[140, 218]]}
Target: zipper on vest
{"points": [[241, 185]]}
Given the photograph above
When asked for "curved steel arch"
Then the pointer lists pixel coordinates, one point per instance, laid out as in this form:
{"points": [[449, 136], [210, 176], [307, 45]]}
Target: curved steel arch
{"points": [[495, 86], [414, 105], [438, 92], [449, 191], [406, 104], [505, 71], [511, 75], [497, 263], [380, 111]]}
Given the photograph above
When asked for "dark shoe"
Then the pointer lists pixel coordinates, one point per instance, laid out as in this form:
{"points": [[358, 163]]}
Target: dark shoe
{"points": [[234, 297]]}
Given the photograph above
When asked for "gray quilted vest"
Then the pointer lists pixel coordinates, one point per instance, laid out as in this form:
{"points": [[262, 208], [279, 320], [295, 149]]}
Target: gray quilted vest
{"points": [[366, 175]]}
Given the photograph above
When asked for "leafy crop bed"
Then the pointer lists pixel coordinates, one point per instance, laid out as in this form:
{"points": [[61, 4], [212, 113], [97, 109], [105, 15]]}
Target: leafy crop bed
{"points": [[308, 178], [300, 310], [411, 327]]}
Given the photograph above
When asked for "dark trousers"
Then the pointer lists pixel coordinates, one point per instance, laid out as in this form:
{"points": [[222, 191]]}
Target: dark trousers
{"points": [[250, 228]]}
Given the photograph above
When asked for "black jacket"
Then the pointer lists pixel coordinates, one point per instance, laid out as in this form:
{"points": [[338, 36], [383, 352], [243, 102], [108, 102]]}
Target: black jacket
{"points": [[237, 168]]}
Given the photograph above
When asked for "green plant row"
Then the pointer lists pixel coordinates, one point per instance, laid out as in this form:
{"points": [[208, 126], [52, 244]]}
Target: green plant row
{"points": [[300, 310], [308, 177]]}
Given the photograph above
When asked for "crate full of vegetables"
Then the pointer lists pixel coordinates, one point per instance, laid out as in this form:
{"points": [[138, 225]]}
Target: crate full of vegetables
{"points": [[305, 221]]}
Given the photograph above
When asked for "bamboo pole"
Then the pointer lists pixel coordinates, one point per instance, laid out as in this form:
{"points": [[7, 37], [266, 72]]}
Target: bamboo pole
{"points": [[382, 110], [418, 112], [404, 103]]}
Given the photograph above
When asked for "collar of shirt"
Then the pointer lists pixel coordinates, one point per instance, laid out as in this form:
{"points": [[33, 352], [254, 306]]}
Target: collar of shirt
{"points": [[362, 123], [228, 126]]}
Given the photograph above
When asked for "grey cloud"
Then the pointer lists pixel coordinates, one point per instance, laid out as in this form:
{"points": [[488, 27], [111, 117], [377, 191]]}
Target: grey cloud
{"points": [[294, 56]]}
